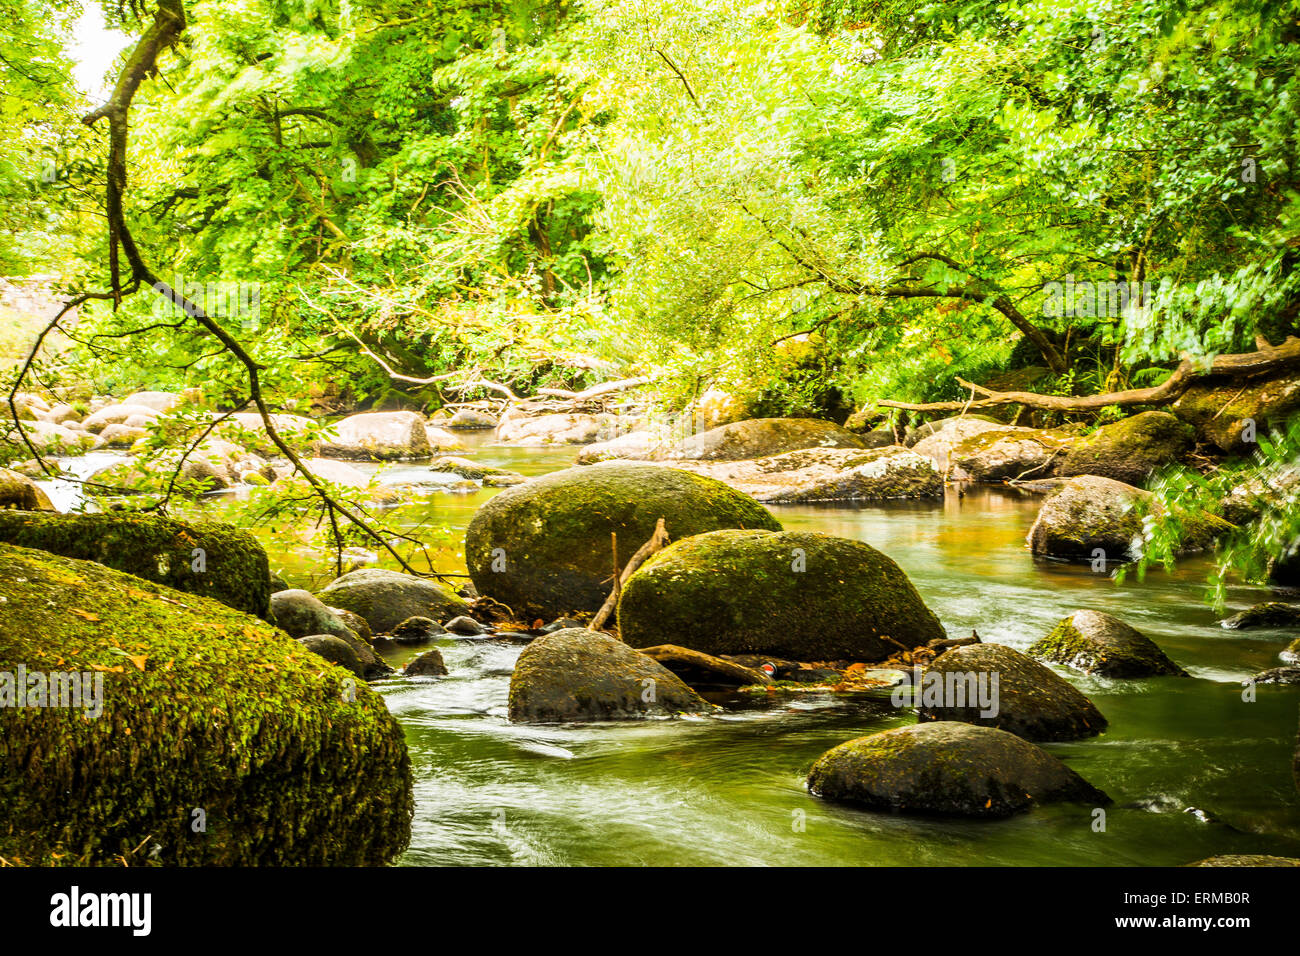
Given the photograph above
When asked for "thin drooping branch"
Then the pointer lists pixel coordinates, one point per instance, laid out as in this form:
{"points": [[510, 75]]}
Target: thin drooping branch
{"points": [[167, 26], [1241, 365]]}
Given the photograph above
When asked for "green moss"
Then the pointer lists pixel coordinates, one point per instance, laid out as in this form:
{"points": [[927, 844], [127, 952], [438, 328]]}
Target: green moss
{"points": [[212, 559], [293, 760], [801, 595], [554, 532]]}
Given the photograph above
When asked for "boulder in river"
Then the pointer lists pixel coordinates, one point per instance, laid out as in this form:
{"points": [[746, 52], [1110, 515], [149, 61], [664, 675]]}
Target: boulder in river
{"points": [[120, 436], [1270, 614], [387, 598], [248, 429], [580, 675], [796, 594], [1089, 513], [947, 768], [914, 435], [1247, 859], [20, 492], [827, 474], [980, 451], [543, 548], [761, 438], [474, 471], [50, 439], [1129, 450], [1288, 674], [993, 685], [300, 613], [560, 428], [472, 418], [383, 436], [335, 650], [213, 559], [115, 415], [1099, 643], [639, 445], [417, 630], [294, 761], [428, 664], [1230, 412]]}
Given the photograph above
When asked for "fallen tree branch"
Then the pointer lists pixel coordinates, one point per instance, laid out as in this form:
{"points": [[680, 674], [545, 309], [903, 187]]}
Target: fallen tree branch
{"points": [[596, 391], [1241, 365], [656, 543]]}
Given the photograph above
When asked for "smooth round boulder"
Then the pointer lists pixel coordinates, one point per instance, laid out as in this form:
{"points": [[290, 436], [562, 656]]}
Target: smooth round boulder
{"points": [[796, 594], [762, 437], [1129, 450], [300, 613], [992, 685], [387, 598], [20, 492], [1270, 614], [428, 664], [947, 768], [385, 436], [416, 630], [543, 548], [472, 418], [335, 650], [1098, 643], [581, 675]]}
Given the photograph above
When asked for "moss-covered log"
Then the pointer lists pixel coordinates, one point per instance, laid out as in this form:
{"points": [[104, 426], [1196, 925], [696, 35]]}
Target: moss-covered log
{"points": [[211, 559], [288, 759]]}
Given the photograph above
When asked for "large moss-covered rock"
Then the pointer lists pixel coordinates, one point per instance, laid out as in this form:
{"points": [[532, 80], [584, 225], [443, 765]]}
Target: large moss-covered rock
{"points": [[213, 559], [927, 429], [761, 437], [1230, 412], [795, 594], [947, 768], [292, 760], [576, 675], [383, 436], [1099, 643], [1029, 700], [828, 474], [1089, 512], [20, 492], [1129, 450], [387, 598], [995, 454], [543, 548]]}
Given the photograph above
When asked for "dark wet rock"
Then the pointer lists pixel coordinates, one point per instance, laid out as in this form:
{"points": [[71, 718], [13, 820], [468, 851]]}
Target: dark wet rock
{"points": [[1030, 700], [373, 667], [428, 664], [355, 622], [580, 675], [797, 594], [828, 474], [1129, 450], [416, 630], [1090, 513], [1289, 674], [1270, 614], [387, 598], [947, 768], [300, 613], [704, 670], [1291, 654], [781, 668], [1225, 408], [559, 624], [814, 675], [1098, 643], [335, 650], [467, 626], [761, 438], [1247, 859], [543, 548]]}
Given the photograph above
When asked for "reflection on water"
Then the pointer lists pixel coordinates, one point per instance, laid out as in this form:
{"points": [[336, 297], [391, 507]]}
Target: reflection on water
{"points": [[729, 789]]}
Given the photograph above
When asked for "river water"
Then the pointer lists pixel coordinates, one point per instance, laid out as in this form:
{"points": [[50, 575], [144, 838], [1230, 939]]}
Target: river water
{"points": [[1193, 769]]}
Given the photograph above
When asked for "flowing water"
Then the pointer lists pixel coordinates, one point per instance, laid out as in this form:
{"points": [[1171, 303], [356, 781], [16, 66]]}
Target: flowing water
{"points": [[1193, 769]]}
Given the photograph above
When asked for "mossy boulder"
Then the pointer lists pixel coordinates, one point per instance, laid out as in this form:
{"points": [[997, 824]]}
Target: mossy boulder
{"points": [[1006, 451], [828, 474], [543, 548], [947, 768], [761, 437], [292, 760], [1129, 450], [212, 559], [21, 493], [428, 664], [1271, 614], [300, 613], [1229, 412], [1029, 700], [796, 594], [1090, 513], [1099, 643], [579, 675], [927, 429], [335, 650], [387, 598]]}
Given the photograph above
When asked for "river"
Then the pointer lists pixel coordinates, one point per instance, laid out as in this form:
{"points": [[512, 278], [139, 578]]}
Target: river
{"points": [[1194, 770]]}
